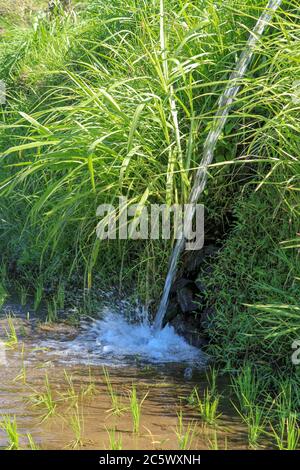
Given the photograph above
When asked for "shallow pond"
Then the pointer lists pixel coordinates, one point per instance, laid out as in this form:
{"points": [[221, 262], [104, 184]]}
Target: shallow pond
{"points": [[81, 408]]}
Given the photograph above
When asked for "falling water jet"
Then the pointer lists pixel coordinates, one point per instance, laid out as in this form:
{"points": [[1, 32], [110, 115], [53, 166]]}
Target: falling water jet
{"points": [[224, 105]]}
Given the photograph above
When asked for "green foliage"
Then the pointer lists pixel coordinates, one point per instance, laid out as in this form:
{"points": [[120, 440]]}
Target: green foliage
{"points": [[31, 443], [136, 408], [254, 287], [116, 406], [256, 280], [9, 425], [287, 434], [248, 386], [115, 441], [11, 334], [45, 400], [207, 406], [77, 426], [112, 99], [185, 433]]}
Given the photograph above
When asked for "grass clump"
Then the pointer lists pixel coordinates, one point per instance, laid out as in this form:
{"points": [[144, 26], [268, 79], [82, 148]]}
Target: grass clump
{"points": [[89, 389], [207, 406], [115, 441], [12, 339], [185, 434], [247, 386], [116, 406], [255, 418], [45, 399], [32, 444], [77, 426], [287, 433], [70, 394], [9, 426], [136, 409]]}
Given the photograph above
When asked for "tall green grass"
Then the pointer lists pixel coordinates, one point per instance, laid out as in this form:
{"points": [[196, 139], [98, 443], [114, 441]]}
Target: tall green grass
{"points": [[113, 100], [185, 434], [257, 273]]}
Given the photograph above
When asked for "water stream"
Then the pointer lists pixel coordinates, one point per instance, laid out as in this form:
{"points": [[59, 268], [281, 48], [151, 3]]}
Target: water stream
{"points": [[163, 367], [224, 105]]}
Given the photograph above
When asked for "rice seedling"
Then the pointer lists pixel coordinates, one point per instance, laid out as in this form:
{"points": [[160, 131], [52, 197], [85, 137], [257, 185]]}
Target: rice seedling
{"points": [[185, 433], [254, 409], [115, 441], [9, 426], [212, 376], [286, 433], [136, 409], [116, 406], [70, 394], [31, 443], [77, 426], [247, 386], [286, 400], [214, 442], [44, 399], [12, 338], [255, 418], [90, 389], [207, 406], [284, 420], [255, 421]]}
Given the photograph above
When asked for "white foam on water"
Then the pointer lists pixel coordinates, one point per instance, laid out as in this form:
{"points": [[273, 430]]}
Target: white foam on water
{"points": [[114, 339]]}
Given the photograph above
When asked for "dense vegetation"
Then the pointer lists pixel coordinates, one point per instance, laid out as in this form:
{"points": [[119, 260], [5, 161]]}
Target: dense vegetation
{"points": [[89, 117]]}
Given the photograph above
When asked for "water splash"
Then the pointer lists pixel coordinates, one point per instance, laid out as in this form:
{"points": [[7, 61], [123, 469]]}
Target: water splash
{"points": [[224, 105], [116, 340]]}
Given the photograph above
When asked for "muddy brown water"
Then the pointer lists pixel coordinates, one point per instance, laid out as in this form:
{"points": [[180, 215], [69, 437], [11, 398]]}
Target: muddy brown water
{"points": [[166, 388]]}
